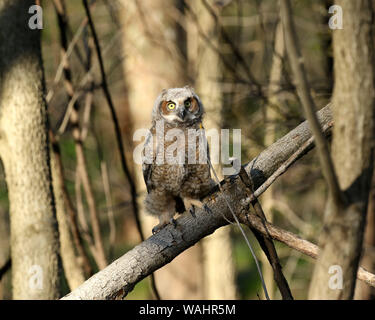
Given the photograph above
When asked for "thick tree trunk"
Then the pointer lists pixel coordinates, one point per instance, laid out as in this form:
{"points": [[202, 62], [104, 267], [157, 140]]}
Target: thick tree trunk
{"points": [[352, 151], [24, 152]]}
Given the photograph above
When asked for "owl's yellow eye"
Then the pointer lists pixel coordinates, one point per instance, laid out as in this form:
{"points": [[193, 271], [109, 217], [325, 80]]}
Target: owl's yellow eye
{"points": [[187, 103], [171, 105]]}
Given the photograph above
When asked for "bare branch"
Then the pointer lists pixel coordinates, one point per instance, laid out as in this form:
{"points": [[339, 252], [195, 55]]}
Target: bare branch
{"points": [[301, 151], [81, 158], [81, 213], [295, 242], [236, 52], [72, 46], [115, 120], [108, 199]]}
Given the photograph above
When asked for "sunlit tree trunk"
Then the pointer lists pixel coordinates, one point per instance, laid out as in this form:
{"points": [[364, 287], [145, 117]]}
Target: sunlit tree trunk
{"points": [[155, 59], [25, 155], [270, 137], [206, 69], [73, 270]]}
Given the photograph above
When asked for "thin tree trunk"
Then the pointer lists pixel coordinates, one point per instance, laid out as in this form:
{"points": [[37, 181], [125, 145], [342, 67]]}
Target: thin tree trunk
{"points": [[68, 206], [99, 254], [152, 35], [24, 151], [270, 137], [74, 272], [218, 267], [352, 152]]}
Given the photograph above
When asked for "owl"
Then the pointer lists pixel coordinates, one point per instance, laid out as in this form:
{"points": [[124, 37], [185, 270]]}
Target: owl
{"points": [[175, 182]]}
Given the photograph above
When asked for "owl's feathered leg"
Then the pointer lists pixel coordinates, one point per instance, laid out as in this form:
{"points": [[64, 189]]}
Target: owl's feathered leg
{"points": [[166, 216], [162, 205]]}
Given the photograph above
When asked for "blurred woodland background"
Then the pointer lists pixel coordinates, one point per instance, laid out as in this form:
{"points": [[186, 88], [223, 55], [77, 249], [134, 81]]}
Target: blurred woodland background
{"points": [[233, 53]]}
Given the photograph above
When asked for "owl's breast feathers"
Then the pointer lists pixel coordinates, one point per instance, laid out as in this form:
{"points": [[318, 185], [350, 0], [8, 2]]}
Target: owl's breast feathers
{"points": [[182, 179]]}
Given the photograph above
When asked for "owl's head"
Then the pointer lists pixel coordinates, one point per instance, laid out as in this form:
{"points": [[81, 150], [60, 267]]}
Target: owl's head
{"points": [[177, 106]]}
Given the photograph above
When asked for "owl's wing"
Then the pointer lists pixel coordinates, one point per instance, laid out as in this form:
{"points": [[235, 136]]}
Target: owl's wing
{"points": [[147, 168], [148, 161]]}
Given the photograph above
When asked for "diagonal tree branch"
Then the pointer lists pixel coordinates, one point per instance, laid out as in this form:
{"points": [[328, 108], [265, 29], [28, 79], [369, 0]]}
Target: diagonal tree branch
{"points": [[161, 248]]}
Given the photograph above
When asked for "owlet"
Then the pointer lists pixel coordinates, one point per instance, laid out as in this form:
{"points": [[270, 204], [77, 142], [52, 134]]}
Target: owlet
{"points": [[175, 165]]}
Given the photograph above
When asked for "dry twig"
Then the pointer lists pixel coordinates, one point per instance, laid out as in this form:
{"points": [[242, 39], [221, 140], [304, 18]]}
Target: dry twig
{"points": [[99, 253], [265, 241]]}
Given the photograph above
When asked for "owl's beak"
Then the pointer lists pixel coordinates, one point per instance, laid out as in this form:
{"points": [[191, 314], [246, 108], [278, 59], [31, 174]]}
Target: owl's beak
{"points": [[182, 113]]}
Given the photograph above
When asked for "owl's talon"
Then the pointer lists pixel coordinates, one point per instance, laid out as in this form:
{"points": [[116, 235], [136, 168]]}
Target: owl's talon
{"points": [[173, 222], [207, 209], [192, 211], [161, 226], [158, 228], [155, 229]]}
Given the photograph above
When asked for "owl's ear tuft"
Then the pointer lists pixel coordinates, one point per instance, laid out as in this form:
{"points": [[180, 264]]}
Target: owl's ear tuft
{"points": [[163, 92], [189, 87]]}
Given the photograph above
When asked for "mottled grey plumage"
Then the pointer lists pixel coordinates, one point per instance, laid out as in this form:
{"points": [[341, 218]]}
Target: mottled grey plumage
{"points": [[174, 187]]}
